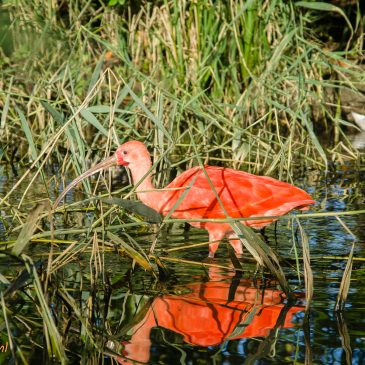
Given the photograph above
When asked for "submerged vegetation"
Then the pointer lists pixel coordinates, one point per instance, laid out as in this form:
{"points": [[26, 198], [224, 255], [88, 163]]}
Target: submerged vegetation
{"points": [[266, 86]]}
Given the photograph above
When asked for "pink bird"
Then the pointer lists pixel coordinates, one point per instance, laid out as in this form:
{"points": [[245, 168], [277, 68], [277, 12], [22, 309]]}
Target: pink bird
{"points": [[243, 195]]}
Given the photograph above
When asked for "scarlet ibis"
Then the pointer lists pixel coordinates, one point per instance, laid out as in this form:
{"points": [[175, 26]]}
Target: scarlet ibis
{"points": [[242, 194]]}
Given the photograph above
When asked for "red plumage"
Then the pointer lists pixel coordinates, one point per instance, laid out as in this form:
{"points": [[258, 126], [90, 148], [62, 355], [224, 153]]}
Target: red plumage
{"points": [[242, 195]]}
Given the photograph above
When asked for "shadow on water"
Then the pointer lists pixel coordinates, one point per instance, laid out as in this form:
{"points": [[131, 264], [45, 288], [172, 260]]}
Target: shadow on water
{"points": [[199, 314]]}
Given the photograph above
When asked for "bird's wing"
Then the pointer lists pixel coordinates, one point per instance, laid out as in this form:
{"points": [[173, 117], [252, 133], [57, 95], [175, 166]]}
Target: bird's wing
{"points": [[242, 194]]}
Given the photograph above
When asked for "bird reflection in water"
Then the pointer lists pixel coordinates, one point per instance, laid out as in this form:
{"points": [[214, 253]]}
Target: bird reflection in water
{"points": [[223, 308]]}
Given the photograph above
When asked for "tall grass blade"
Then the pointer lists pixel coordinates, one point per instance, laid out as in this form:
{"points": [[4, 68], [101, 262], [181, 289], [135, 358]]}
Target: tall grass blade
{"points": [[56, 115], [6, 323], [262, 253], [23, 279], [308, 273], [149, 114], [102, 109], [90, 118], [29, 227], [345, 282], [28, 133], [309, 125], [232, 255], [131, 252], [345, 337], [5, 110], [53, 337], [71, 302], [322, 6], [151, 215], [277, 55], [307, 340], [268, 344], [96, 74]]}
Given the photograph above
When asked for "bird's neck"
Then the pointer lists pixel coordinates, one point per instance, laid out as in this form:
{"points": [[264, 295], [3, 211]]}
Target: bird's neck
{"points": [[146, 192]]}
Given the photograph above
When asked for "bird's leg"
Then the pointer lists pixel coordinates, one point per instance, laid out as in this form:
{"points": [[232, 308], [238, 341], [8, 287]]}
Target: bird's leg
{"points": [[213, 247], [236, 243], [214, 238]]}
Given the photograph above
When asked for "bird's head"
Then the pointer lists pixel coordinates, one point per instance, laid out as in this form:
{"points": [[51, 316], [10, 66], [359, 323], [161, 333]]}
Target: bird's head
{"points": [[132, 154]]}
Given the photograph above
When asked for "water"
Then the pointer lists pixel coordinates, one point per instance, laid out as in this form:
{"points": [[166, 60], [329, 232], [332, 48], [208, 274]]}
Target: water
{"points": [[198, 315]]}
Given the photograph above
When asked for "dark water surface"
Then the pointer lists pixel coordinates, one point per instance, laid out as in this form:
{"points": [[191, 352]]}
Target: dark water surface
{"points": [[208, 315]]}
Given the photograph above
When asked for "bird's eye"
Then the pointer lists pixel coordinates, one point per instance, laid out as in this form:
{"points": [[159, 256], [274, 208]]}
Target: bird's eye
{"points": [[125, 153]]}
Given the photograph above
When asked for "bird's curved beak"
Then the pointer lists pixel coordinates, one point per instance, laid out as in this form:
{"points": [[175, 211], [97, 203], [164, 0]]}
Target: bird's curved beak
{"points": [[108, 162]]}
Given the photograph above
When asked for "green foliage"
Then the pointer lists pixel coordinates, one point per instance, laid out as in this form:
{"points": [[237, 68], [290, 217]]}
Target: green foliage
{"points": [[116, 2], [250, 76]]}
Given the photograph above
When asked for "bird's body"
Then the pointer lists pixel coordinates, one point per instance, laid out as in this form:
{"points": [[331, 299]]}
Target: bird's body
{"points": [[240, 194]]}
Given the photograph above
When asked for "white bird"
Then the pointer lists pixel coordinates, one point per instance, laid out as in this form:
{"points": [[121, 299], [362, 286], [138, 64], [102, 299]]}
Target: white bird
{"points": [[359, 120]]}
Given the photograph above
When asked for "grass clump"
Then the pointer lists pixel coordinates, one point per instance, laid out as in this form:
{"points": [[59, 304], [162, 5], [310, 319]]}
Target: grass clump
{"points": [[249, 78]]}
